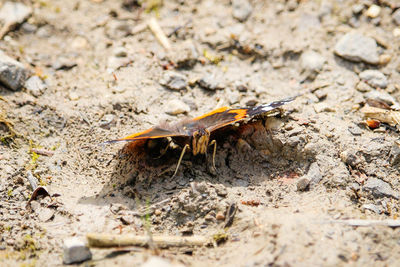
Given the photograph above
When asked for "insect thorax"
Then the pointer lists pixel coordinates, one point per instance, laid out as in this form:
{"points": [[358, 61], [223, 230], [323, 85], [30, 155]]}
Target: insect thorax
{"points": [[200, 140]]}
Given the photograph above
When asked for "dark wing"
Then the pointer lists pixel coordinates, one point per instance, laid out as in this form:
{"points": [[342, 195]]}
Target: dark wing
{"points": [[224, 116], [152, 133]]}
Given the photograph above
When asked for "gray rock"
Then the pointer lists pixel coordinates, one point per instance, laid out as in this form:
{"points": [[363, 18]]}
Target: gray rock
{"points": [[372, 207], [396, 17], [314, 173], [379, 188], [210, 82], [303, 184], [35, 86], [356, 47], [394, 156], [375, 78], [355, 130], [12, 73], [75, 251], [241, 10], [174, 80], [12, 14], [107, 121], [176, 106], [381, 96], [312, 61]]}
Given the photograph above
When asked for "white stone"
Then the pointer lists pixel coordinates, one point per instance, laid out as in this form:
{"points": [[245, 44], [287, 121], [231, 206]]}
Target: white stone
{"points": [[75, 251], [176, 106]]}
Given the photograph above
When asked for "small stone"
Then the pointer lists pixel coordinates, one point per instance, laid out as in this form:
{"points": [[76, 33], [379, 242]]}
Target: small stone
{"points": [[381, 96], [127, 219], [210, 82], [73, 96], [241, 10], [356, 47], [157, 262], [221, 191], [375, 78], [120, 51], [174, 80], [357, 8], [380, 188], [355, 130], [394, 156], [114, 63], [363, 87], [373, 11], [220, 216], [372, 207], [176, 106], [350, 157], [314, 173], [303, 184], [157, 212], [107, 121], [396, 17], [75, 251], [384, 59], [63, 63], [45, 214], [35, 86], [396, 32], [321, 94], [80, 43], [14, 13], [12, 73], [323, 107], [312, 61]]}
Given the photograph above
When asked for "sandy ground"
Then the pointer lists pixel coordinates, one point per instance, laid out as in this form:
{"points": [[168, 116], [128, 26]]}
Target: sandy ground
{"points": [[306, 171]]}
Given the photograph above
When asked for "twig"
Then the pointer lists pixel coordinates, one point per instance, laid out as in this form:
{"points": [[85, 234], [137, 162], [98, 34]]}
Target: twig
{"points": [[111, 240], [43, 152], [356, 222], [159, 33]]}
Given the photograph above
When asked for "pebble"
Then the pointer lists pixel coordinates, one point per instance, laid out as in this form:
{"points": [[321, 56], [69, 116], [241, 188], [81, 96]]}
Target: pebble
{"points": [[63, 63], [176, 106], [384, 59], [350, 157], [79, 42], [210, 82], [241, 10], [314, 173], [375, 78], [373, 11], [355, 130], [45, 214], [157, 262], [107, 121], [303, 184], [114, 63], [127, 219], [394, 156], [35, 86], [363, 87], [174, 80], [321, 94], [381, 96], [323, 107], [396, 17], [120, 51], [14, 13], [372, 207], [357, 8], [220, 216], [396, 32], [12, 73], [75, 251], [312, 61], [380, 188], [356, 47]]}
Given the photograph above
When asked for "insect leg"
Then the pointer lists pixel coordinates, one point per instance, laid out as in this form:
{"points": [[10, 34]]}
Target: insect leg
{"points": [[180, 159], [213, 142]]}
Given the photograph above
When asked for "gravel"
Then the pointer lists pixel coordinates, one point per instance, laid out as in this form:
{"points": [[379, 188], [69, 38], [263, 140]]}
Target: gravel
{"points": [[380, 188], [356, 47], [75, 251], [375, 78], [174, 80]]}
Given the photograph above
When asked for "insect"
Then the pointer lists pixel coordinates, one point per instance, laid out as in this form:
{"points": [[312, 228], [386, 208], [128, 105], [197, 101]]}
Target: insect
{"points": [[197, 134]]}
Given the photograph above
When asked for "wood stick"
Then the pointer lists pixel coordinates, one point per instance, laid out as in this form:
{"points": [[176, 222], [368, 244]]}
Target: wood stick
{"points": [[159, 33], [113, 240]]}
